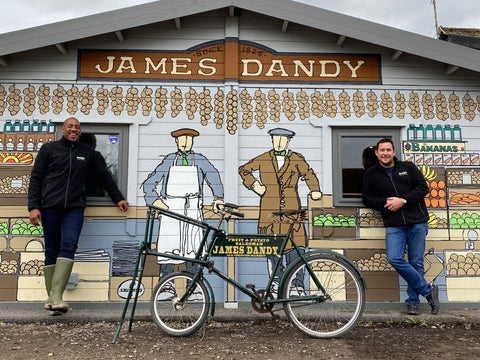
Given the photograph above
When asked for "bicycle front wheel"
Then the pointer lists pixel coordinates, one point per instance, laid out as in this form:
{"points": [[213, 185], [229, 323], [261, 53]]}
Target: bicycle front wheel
{"points": [[333, 312], [179, 318]]}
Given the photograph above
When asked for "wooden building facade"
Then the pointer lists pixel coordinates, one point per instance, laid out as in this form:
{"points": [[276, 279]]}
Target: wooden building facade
{"points": [[233, 71]]}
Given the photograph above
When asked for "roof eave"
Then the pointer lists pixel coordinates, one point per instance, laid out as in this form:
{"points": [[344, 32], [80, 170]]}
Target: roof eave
{"points": [[343, 25], [390, 37], [92, 25]]}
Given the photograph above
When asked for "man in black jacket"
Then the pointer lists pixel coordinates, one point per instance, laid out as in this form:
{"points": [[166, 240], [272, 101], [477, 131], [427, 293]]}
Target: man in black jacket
{"points": [[57, 200], [397, 189]]}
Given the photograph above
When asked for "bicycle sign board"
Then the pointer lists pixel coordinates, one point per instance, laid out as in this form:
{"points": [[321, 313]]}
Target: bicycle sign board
{"points": [[248, 245]]}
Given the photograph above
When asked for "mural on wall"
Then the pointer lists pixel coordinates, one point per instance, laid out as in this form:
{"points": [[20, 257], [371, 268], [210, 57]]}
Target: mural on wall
{"points": [[274, 177], [21, 243], [177, 184], [452, 173], [255, 106], [453, 177]]}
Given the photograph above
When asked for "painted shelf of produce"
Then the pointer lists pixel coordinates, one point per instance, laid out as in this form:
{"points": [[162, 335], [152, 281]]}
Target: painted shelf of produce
{"points": [[464, 224], [369, 218], [334, 223], [24, 227], [435, 178], [462, 275], [468, 197], [458, 177], [14, 181], [381, 278], [370, 224], [8, 276], [15, 233], [438, 225]]}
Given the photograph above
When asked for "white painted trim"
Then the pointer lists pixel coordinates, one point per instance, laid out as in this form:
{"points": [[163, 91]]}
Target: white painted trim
{"points": [[230, 305], [132, 178]]}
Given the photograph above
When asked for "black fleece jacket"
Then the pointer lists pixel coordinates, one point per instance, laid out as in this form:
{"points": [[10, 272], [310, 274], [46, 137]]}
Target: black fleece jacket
{"points": [[59, 176], [406, 182]]}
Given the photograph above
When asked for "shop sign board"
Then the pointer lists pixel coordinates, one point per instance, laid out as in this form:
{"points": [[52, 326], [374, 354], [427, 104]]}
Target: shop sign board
{"points": [[220, 60]]}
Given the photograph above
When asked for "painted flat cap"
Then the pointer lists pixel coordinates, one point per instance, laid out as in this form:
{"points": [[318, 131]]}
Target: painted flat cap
{"points": [[186, 131], [281, 132]]}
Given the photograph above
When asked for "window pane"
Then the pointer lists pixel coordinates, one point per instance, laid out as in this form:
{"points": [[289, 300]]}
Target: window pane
{"points": [[101, 143], [108, 145]]}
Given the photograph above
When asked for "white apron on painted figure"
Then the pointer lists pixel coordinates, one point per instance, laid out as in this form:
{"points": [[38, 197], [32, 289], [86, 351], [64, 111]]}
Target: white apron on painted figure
{"points": [[183, 197]]}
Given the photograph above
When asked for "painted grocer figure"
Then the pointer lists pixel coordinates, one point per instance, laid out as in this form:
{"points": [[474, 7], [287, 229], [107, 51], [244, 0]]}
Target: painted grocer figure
{"points": [[177, 184], [279, 172]]}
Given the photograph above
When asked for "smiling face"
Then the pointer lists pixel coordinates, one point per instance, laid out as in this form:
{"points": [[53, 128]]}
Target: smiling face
{"points": [[71, 129], [385, 153], [184, 143], [280, 142]]}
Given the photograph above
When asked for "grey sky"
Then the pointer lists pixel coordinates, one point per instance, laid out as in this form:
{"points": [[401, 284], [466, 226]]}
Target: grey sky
{"points": [[411, 15]]}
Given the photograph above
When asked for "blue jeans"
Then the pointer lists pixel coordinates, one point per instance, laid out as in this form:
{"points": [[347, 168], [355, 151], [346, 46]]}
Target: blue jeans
{"points": [[61, 230], [410, 238]]}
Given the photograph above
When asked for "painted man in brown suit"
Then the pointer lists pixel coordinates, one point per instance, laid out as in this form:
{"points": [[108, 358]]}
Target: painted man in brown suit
{"points": [[279, 171]]}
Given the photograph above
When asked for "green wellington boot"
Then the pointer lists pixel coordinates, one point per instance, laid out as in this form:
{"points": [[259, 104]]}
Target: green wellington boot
{"points": [[48, 274], [63, 268]]}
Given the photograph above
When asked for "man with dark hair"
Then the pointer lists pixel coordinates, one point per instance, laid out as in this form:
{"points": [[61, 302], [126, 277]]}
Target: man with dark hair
{"points": [[57, 200], [397, 189], [368, 157]]}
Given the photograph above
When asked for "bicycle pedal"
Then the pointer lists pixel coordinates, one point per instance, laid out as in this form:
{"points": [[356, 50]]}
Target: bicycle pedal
{"points": [[250, 286]]}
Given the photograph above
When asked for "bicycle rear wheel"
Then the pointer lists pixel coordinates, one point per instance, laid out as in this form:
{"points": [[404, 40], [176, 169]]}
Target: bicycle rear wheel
{"points": [[179, 318], [344, 295]]}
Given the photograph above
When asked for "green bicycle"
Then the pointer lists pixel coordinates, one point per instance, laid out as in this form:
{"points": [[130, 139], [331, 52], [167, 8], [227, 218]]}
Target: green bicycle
{"points": [[322, 292]]}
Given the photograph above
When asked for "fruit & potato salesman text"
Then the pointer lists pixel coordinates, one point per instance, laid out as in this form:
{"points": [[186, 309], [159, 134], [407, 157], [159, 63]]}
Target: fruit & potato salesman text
{"points": [[260, 247]]}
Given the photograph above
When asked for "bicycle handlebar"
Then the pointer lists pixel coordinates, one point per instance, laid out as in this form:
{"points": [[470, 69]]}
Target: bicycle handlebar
{"points": [[289, 217], [290, 212], [228, 208]]}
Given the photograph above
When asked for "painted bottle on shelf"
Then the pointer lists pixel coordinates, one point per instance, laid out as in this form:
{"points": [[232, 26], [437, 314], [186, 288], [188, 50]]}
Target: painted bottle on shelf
{"points": [[438, 133], [30, 145], [17, 126], [8, 127], [420, 133], [20, 145], [10, 145], [51, 127], [429, 133], [35, 126], [43, 126], [26, 126], [411, 132], [456, 133], [447, 133]]}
